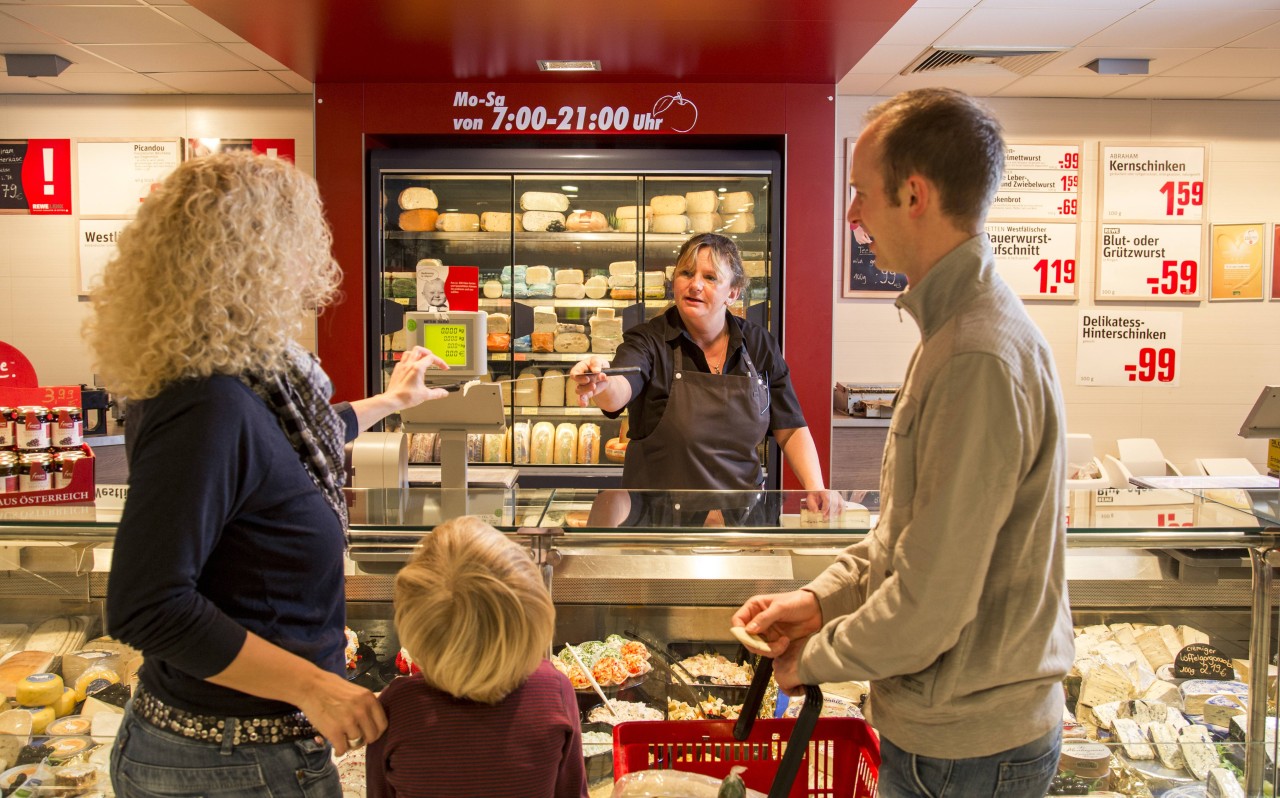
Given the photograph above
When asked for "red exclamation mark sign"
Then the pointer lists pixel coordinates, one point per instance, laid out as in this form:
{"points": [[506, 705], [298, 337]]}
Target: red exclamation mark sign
{"points": [[48, 171]]}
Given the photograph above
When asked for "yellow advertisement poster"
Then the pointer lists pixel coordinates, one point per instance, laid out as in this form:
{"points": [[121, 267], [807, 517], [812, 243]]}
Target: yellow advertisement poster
{"points": [[1237, 256]]}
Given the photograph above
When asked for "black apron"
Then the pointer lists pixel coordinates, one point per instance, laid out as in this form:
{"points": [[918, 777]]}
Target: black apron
{"points": [[708, 433]]}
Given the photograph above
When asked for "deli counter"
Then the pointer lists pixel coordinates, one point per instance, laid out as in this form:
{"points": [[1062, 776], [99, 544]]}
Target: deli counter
{"points": [[670, 568]]}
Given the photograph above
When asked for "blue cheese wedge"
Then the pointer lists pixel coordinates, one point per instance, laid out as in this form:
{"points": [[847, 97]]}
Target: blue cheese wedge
{"points": [[1165, 738], [1220, 709], [1132, 738], [1142, 712], [1197, 691], [1198, 751], [1105, 683], [1222, 783]]}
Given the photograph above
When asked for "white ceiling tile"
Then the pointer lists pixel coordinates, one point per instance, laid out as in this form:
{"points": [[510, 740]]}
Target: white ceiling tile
{"points": [[81, 61], [888, 58], [170, 57], [1218, 5], [945, 4], [100, 25], [10, 85], [1182, 28], [254, 56], [68, 3], [921, 26], [295, 81], [126, 83], [254, 82], [1231, 62], [200, 23], [1026, 27], [1070, 5], [15, 31], [1066, 86], [1263, 91], [862, 84], [1071, 63], [979, 86], [1267, 37], [1185, 88]]}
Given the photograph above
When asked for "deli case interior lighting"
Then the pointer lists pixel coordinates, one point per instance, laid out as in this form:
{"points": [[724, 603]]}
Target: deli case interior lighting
{"points": [[551, 65]]}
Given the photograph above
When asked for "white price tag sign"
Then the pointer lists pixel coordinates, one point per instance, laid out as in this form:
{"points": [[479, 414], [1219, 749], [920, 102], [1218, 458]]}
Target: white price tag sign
{"points": [[1160, 262], [1037, 260], [1153, 183], [1134, 348], [1041, 181]]}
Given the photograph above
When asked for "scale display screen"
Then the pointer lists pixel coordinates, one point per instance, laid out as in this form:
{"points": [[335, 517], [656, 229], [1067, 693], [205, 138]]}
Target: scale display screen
{"points": [[458, 337], [449, 341]]}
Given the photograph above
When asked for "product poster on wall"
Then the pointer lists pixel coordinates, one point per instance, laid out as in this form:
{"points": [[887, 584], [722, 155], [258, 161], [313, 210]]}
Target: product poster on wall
{"points": [[272, 148], [443, 288], [1236, 259], [1275, 262], [97, 241], [862, 278], [114, 177], [35, 176], [1037, 260], [1154, 262], [1133, 348]]}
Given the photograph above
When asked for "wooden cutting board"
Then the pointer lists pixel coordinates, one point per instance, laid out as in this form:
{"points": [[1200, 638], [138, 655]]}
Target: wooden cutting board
{"points": [[19, 666]]}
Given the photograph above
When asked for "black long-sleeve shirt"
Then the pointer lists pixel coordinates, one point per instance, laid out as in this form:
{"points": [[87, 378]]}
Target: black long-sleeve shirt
{"points": [[223, 532]]}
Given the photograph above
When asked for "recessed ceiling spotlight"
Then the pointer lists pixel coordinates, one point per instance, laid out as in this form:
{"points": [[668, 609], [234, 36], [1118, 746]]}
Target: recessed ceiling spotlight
{"points": [[552, 65]]}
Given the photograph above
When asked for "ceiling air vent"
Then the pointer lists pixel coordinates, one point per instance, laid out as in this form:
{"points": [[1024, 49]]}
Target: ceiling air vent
{"points": [[995, 61]]}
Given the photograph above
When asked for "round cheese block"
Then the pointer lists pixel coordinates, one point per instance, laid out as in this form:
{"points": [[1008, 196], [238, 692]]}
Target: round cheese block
{"points": [[85, 684], [39, 689], [66, 703], [1086, 760], [615, 451], [67, 747], [40, 718]]}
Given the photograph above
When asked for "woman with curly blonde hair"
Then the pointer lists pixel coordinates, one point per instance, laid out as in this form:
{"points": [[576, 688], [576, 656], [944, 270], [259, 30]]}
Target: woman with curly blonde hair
{"points": [[228, 564]]}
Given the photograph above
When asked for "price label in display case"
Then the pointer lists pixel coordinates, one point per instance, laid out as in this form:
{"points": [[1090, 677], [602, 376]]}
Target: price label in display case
{"points": [[1037, 260], [1127, 348], [1159, 262], [1142, 183], [1041, 181]]}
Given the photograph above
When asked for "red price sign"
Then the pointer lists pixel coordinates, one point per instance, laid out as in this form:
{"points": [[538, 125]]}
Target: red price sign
{"points": [[1150, 261], [1036, 178], [1069, 160], [1181, 195], [1037, 259], [1176, 279], [1153, 183], [1154, 365], [1070, 182], [1055, 273]]}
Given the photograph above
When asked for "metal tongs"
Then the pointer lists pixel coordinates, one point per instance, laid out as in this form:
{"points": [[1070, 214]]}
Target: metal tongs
{"points": [[611, 372]]}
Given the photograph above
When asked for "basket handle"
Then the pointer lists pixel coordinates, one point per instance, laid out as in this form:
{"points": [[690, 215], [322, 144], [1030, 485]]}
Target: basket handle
{"points": [[798, 745], [755, 697]]}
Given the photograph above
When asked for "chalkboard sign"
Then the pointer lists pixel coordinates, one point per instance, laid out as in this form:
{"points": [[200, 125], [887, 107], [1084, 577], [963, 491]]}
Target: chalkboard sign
{"points": [[12, 154], [1203, 661], [861, 277]]}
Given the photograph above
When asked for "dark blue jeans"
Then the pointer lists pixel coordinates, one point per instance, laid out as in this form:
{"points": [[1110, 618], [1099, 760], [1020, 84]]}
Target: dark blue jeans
{"points": [[1022, 772], [148, 762]]}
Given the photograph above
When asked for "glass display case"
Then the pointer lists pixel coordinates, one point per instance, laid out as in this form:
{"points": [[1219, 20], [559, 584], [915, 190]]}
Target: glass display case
{"points": [[564, 251]]}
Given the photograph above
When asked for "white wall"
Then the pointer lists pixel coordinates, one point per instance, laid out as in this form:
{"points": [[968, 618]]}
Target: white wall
{"points": [[40, 312], [1230, 350]]}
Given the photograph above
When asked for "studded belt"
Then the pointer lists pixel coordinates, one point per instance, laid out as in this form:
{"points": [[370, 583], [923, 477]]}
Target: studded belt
{"points": [[215, 728]]}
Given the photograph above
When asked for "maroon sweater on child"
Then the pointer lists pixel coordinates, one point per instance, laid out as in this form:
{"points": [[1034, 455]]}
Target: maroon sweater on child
{"points": [[438, 746]]}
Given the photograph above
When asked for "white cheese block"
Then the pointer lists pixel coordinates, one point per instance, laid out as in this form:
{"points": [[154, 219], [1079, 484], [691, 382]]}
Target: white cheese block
{"points": [[498, 323], [520, 443], [458, 222], [655, 290], [1105, 683], [667, 205], [526, 390], [566, 444], [495, 222], [606, 328], [1163, 693], [552, 388], [418, 197], [622, 281], [586, 222], [1134, 741], [737, 202], [1197, 691], [1123, 633], [589, 444], [492, 290], [495, 447], [1171, 639], [565, 327], [1165, 738], [1154, 648], [1105, 714], [1198, 751], [540, 221], [537, 275], [754, 268], [572, 343], [571, 291], [604, 346], [670, 272], [1143, 712], [570, 392], [542, 444], [603, 314], [634, 212], [1219, 709], [671, 223], [564, 276], [544, 201], [655, 278], [622, 267], [1222, 783], [739, 223], [700, 202], [596, 287], [1098, 630], [545, 319], [1175, 718], [634, 225], [705, 222], [1189, 635]]}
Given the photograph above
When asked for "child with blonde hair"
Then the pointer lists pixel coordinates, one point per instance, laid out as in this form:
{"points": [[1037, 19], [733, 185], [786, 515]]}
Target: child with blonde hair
{"points": [[488, 715]]}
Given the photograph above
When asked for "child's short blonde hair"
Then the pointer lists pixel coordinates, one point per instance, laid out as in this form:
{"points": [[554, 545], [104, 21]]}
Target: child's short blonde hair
{"points": [[473, 612]]}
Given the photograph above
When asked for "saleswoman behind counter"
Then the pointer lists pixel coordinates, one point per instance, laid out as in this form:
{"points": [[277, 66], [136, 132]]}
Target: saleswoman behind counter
{"points": [[711, 386]]}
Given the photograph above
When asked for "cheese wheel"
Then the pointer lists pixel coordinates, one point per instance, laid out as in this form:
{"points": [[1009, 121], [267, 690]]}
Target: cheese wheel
{"points": [[495, 222], [571, 291], [66, 703], [492, 289], [570, 391], [634, 225], [543, 342], [458, 222], [622, 281], [586, 222], [526, 390], [568, 276], [418, 220], [40, 718], [737, 202], [566, 445], [596, 287], [623, 293], [544, 201], [552, 388], [615, 451], [589, 444], [498, 323], [542, 221], [667, 205], [537, 274], [574, 343], [622, 267], [705, 222], [475, 447], [700, 202], [87, 682], [417, 197], [671, 223], [542, 443], [740, 223], [520, 443], [39, 689], [634, 212], [495, 447]]}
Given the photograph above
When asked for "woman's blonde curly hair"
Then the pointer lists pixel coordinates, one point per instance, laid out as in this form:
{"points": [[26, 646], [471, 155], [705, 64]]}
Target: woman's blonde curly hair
{"points": [[214, 276]]}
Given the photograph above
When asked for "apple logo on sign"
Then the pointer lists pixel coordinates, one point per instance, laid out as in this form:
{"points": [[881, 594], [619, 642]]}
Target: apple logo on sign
{"points": [[681, 114]]}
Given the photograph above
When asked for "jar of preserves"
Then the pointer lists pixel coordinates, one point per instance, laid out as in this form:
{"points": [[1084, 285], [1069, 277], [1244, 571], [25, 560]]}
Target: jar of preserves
{"points": [[66, 427], [63, 467], [8, 438], [34, 472], [8, 472], [31, 425]]}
